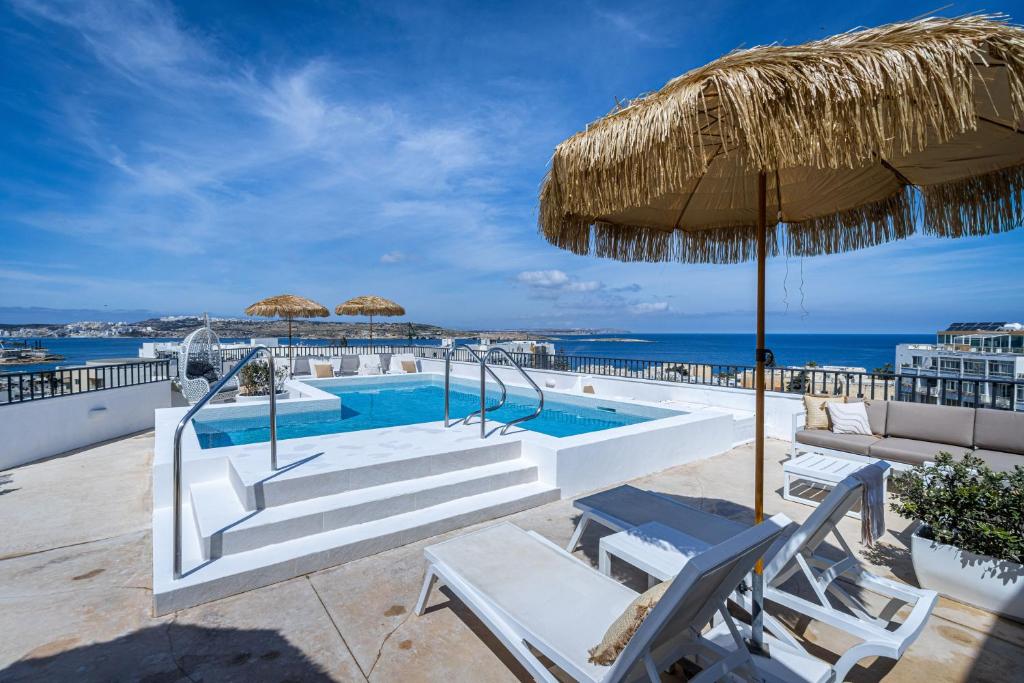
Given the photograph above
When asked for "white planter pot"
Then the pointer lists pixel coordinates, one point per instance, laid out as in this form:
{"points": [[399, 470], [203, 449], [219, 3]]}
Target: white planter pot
{"points": [[281, 395], [979, 580]]}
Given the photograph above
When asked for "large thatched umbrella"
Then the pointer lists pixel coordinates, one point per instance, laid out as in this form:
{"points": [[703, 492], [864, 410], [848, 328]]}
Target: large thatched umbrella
{"points": [[289, 307], [825, 147], [369, 305]]}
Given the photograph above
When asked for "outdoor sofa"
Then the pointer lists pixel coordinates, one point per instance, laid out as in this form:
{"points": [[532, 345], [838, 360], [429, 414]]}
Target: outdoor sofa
{"points": [[908, 434]]}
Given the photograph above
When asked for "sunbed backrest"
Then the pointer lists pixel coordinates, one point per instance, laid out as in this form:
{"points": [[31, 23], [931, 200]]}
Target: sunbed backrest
{"points": [[813, 532], [697, 592]]}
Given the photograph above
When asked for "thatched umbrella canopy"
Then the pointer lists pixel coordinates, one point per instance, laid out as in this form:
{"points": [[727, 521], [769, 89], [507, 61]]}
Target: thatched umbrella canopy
{"points": [[825, 147], [289, 307], [369, 305]]}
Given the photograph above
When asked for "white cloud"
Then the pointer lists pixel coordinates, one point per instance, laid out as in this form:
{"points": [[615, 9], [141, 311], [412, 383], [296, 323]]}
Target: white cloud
{"points": [[549, 279], [648, 307], [557, 281], [392, 257]]}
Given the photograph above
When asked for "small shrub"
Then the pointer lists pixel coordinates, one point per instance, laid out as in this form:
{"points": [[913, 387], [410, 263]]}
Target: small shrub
{"points": [[964, 503], [254, 378]]}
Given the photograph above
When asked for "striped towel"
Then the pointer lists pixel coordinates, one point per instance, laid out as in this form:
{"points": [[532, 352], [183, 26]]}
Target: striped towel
{"points": [[872, 503]]}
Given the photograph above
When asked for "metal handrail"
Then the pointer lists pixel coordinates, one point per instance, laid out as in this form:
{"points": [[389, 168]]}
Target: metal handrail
{"points": [[188, 418], [483, 407], [540, 394]]}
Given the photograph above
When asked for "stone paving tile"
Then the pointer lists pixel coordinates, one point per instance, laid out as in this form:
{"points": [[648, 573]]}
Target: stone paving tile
{"points": [[90, 495]]}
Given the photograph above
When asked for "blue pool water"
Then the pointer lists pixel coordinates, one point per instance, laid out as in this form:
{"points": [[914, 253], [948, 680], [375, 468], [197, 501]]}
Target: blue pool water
{"points": [[391, 403]]}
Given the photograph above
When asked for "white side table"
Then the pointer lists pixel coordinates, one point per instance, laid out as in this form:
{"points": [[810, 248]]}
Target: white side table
{"points": [[823, 470], [654, 548]]}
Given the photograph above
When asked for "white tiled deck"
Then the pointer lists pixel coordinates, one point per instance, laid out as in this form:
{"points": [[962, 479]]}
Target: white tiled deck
{"points": [[75, 599]]}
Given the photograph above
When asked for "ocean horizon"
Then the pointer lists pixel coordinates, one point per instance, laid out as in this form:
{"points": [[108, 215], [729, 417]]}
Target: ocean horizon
{"points": [[868, 351]]}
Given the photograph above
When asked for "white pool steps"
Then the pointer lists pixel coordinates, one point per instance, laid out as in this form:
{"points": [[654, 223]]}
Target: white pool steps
{"points": [[332, 513]]}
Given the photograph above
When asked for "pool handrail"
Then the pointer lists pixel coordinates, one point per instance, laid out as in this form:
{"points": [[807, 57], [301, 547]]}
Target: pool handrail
{"points": [[180, 429], [447, 384], [540, 393]]}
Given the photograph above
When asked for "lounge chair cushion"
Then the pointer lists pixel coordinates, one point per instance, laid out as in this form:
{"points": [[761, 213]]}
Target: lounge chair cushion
{"points": [[349, 363], [1000, 461], [912, 451], [817, 415], [564, 603], [622, 629], [409, 365], [849, 443], [925, 422], [999, 430]]}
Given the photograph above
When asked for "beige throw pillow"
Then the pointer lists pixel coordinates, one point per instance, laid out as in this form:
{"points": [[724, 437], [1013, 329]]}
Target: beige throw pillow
{"points": [[623, 628], [323, 370], [817, 414], [409, 365]]}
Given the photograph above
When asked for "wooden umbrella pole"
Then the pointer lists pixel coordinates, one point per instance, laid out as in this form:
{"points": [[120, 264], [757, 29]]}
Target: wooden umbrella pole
{"points": [[757, 616], [371, 329], [291, 359]]}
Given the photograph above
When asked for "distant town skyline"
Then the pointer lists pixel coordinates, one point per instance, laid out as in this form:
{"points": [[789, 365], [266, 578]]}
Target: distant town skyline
{"points": [[187, 157]]}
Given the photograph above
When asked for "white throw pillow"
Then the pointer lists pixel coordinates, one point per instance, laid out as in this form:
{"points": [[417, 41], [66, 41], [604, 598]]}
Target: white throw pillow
{"points": [[849, 418]]}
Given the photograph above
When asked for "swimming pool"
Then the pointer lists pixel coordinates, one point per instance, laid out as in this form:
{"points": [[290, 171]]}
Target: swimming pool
{"points": [[372, 403]]}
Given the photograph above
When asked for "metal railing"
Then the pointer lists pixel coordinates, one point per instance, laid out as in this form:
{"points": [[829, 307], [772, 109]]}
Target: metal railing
{"points": [[540, 394], [869, 385], [19, 387], [483, 388], [188, 418]]}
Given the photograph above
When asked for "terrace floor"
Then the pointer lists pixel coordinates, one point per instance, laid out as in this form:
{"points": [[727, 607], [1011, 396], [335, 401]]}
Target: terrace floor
{"points": [[75, 599]]}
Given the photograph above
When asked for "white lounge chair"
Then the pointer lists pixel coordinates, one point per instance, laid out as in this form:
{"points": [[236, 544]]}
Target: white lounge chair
{"points": [[321, 367], [537, 598], [369, 364], [402, 364], [797, 553]]}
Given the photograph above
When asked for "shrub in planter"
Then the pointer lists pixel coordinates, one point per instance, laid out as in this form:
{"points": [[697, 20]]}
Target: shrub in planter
{"points": [[254, 378], [965, 504], [971, 544]]}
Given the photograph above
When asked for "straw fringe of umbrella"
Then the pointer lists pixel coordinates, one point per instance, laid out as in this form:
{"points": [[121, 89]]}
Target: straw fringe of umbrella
{"points": [[369, 305], [864, 98], [287, 306]]}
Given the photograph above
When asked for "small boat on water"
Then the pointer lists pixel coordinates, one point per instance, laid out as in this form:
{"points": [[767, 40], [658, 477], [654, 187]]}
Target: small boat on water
{"points": [[22, 353]]}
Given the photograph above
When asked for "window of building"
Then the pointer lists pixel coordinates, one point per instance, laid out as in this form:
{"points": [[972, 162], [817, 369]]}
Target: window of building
{"points": [[1000, 368]]}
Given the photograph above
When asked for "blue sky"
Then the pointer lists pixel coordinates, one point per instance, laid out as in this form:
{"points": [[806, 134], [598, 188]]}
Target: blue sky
{"points": [[200, 156]]}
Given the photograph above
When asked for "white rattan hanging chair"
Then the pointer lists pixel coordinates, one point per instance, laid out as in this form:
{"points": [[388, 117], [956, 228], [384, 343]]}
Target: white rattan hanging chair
{"points": [[201, 364]]}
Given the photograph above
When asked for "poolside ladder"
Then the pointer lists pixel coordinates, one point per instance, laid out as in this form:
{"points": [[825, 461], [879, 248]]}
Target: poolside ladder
{"points": [[485, 370], [176, 502]]}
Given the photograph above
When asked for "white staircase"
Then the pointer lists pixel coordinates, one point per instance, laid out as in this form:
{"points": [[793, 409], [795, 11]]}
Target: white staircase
{"points": [[248, 529]]}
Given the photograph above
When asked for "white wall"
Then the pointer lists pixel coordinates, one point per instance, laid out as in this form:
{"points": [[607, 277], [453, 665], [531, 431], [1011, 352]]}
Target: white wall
{"points": [[38, 429]]}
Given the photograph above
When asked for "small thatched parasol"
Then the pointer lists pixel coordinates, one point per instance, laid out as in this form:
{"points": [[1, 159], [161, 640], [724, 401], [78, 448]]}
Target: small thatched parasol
{"points": [[369, 305], [289, 307], [834, 145]]}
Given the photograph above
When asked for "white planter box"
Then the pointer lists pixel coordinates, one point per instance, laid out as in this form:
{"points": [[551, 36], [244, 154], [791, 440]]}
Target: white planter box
{"points": [[281, 395], [979, 580]]}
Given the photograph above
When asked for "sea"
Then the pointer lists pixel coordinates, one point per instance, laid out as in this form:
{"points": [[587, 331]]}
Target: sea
{"points": [[868, 351]]}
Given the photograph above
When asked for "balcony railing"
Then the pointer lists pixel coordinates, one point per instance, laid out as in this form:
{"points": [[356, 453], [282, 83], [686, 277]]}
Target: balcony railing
{"points": [[19, 387], [787, 380]]}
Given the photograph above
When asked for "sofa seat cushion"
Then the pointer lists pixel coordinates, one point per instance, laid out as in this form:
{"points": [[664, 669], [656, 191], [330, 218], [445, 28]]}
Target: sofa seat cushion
{"points": [[925, 422], [849, 443], [999, 430], [1000, 461], [912, 451]]}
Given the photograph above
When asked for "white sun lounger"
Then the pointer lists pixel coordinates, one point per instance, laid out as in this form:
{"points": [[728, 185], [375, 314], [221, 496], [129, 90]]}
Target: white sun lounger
{"points": [[397, 359], [537, 598], [797, 553], [369, 364]]}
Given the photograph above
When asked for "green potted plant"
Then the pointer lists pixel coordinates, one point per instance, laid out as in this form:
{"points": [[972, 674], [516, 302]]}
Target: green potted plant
{"points": [[254, 382], [970, 544]]}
